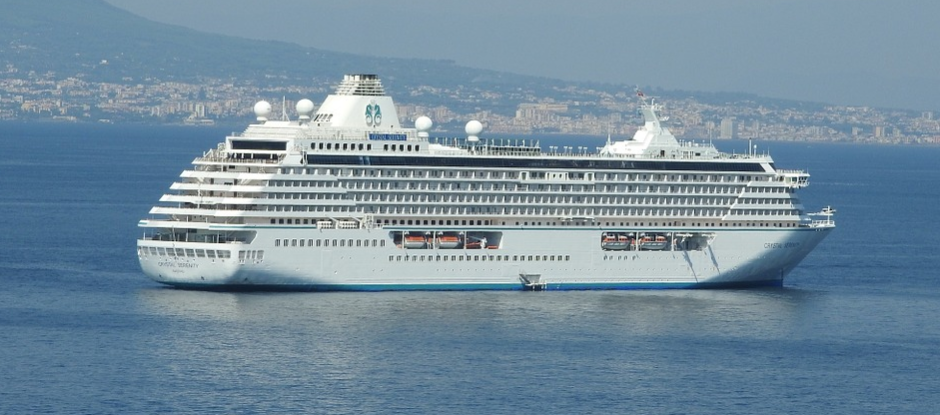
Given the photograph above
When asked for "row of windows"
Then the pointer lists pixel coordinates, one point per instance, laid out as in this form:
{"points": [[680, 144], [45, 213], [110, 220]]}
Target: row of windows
{"points": [[302, 183], [593, 191], [550, 200], [293, 221], [569, 197], [599, 190], [345, 146], [251, 255], [364, 147], [393, 208], [549, 211], [359, 243], [651, 209], [451, 222], [532, 163], [586, 190], [457, 258], [411, 173], [555, 200], [477, 222], [184, 252]]}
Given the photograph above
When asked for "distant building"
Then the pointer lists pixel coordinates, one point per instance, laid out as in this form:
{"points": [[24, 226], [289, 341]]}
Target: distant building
{"points": [[728, 129], [540, 112]]}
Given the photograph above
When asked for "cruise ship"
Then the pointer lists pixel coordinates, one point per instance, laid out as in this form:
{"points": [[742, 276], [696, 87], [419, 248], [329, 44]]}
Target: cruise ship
{"points": [[345, 197]]}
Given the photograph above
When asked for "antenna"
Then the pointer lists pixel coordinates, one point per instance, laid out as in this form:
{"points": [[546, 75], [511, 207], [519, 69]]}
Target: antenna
{"points": [[640, 94], [284, 109]]}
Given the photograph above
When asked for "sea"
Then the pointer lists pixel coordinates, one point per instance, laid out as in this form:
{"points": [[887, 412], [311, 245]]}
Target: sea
{"points": [[854, 330]]}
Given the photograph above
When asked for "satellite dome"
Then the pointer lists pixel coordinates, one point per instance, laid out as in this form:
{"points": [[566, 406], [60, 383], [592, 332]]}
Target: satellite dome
{"points": [[304, 109], [423, 125], [262, 110], [473, 129]]}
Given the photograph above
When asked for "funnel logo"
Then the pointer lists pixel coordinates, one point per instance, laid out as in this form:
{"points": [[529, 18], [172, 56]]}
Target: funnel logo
{"points": [[373, 115]]}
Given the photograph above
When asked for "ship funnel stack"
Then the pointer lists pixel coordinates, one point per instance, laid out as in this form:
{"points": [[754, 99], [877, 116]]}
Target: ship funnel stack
{"points": [[359, 102]]}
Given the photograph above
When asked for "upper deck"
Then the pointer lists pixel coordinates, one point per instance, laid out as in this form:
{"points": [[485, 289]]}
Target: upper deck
{"points": [[359, 120]]}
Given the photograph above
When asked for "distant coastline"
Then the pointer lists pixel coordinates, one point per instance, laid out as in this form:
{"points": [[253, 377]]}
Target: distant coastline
{"points": [[127, 69], [215, 131]]}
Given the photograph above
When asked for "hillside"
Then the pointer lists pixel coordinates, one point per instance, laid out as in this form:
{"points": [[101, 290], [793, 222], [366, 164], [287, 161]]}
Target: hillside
{"points": [[108, 44]]}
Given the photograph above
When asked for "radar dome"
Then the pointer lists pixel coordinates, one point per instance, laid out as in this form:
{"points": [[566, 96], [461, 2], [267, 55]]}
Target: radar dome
{"points": [[262, 110], [473, 129], [304, 109], [423, 125]]}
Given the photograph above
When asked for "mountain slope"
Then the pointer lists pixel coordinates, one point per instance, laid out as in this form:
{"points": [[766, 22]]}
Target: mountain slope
{"points": [[108, 44]]}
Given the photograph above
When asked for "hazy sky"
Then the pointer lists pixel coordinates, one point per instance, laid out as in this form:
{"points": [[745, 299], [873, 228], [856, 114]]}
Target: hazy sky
{"points": [[856, 52]]}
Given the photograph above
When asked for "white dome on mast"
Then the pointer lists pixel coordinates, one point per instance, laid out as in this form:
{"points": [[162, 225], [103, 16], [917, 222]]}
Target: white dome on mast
{"points": [[423, 124], [473, 129], [262, 110], [304, 109]]}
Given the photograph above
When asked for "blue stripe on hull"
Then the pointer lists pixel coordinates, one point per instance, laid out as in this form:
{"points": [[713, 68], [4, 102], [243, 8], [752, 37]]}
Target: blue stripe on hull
{"points": [[475, 287]]}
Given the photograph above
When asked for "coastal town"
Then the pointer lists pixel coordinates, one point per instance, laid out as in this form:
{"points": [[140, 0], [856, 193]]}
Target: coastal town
{"points": [[38, 97]]}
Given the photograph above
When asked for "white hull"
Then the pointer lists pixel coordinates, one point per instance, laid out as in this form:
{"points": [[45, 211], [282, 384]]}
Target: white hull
{"points": [[561, 259]]}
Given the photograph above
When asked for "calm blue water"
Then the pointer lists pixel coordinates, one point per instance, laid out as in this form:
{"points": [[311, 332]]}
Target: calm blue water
{"points": [[854, 330]]}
